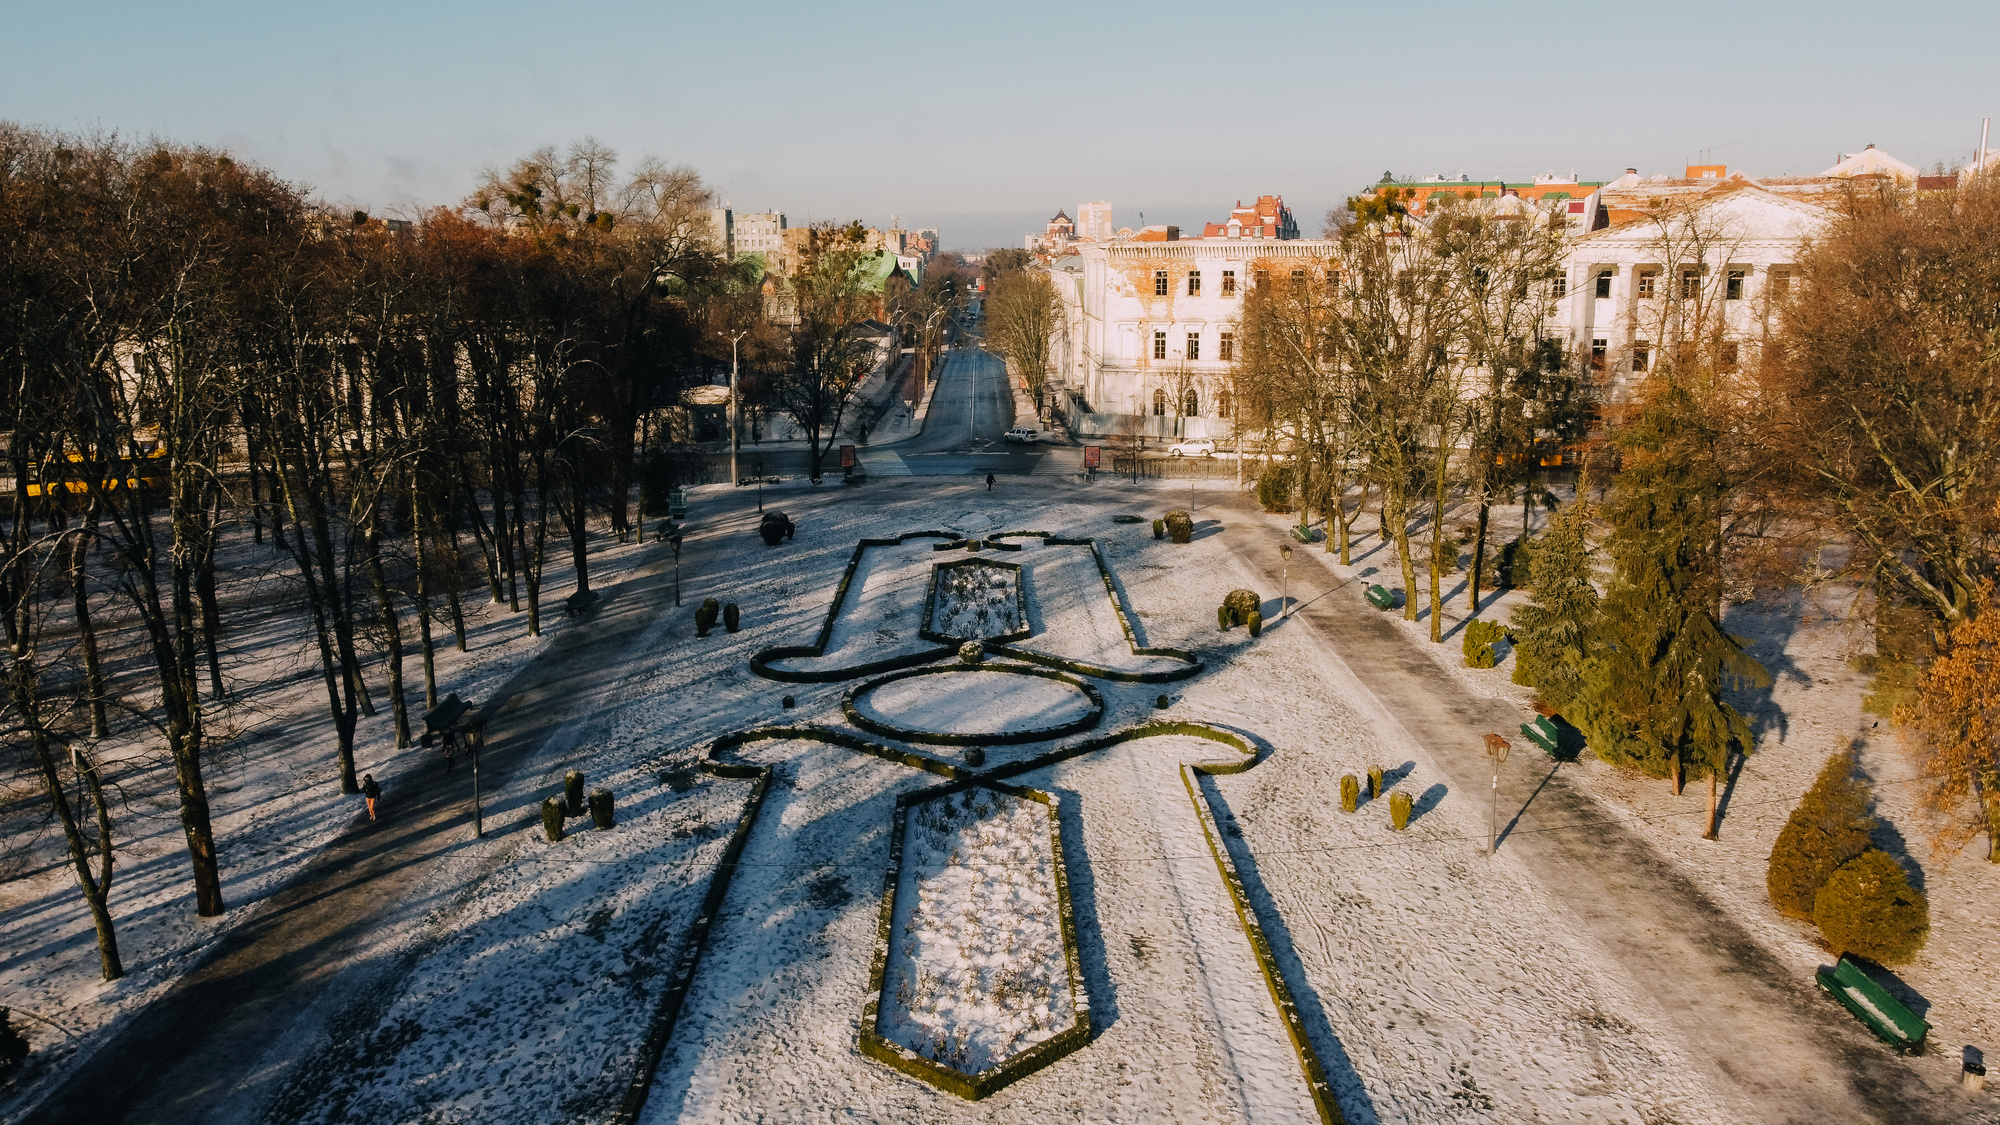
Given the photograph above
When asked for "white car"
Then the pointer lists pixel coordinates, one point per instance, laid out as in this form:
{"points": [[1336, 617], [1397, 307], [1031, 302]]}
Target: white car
{"points": [[1026, 435], [1201, 448]]}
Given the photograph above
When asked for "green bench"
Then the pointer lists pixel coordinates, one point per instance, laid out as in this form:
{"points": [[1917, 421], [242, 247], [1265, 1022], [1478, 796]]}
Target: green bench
{"points": [[1873, 1006], [1548, 734], [1381, 598], [1305, 534]]}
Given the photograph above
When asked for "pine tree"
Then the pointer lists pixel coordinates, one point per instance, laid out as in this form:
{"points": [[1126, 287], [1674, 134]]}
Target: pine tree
{"points": [[1652, 690], [1868, 909], [1551, 633], [1829, 827]]}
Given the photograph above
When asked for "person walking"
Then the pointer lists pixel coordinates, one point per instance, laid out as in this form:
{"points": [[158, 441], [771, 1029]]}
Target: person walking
{"points": [[989, 482], [371, 791]]}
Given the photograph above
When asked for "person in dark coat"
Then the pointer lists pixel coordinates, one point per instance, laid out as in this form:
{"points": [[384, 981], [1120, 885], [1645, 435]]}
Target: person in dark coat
{"points": [[371, 791], [989, 482]]}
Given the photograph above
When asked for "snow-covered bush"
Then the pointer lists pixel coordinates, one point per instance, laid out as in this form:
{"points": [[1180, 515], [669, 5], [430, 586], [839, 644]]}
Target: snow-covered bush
{"points": [[1241, 604], [972, 652]]}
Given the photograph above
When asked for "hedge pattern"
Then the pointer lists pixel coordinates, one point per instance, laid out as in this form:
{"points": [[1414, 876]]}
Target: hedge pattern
{"points": [[761, 663], [972, 1086], [941, 738]]}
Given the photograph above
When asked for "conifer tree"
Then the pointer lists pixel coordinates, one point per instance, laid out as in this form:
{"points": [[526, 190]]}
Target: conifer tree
{"points": [[1652, 690], [1868, 909], [1829, 827], [1551, 634]]}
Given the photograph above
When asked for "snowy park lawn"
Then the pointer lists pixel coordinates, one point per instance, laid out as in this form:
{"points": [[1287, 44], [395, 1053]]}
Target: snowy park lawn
{"points": [[961, 700], [977, 967]]}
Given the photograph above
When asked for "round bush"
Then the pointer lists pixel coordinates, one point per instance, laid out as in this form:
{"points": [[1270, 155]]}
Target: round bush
{"points": [[972, 652], [1159, 529], [1868, 909], [1829, 827], [775, 528], [975, 755], [732, 618], [1241, 604], [1180, 526], [705, 615]]}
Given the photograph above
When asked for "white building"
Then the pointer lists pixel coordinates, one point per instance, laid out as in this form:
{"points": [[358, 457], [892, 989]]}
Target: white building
{"points": [[1093, 221], [762, 233]]}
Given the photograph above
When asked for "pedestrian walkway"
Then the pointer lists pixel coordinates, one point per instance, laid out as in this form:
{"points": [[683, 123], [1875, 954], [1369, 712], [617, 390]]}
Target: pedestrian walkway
{"points": [[882, 463]]}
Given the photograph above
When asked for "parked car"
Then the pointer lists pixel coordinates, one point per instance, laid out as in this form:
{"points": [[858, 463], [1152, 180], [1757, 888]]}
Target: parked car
{"points": [[1026, 435], [1198, 448]]}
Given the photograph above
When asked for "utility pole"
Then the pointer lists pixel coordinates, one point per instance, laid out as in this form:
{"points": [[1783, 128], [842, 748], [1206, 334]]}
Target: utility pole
{"points": [[735, 430]]}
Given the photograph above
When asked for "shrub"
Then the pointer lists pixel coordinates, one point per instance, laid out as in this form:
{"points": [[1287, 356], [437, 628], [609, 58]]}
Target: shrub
{"points": [[1274, 487], [600, 808], [790, 702], [975, 755], [1241, 604], [1515, 565], [1162, 703], [552, 820], [1868, 909], [13, 1045], [1159, 529], [1399, 810], [573, 793], [1374, 782], [1829, 828], [1222, 618], [774, 528], [1180, 526], [1256, 623], [1350, 792], [1478, 639], [705, 615], [972, 652], [732, 618]]}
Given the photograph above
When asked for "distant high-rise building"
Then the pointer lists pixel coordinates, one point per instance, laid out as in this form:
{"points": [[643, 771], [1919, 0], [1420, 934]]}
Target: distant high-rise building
{"points": [[1093, 221], [762, 233], [722, 231]]}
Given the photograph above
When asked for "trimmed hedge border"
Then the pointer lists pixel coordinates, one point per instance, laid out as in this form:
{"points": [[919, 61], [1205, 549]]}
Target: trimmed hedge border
{"points": [[972, 1087], [924, 629], [761, 662], [941, 738], [1260, 947], [1194, 664]]}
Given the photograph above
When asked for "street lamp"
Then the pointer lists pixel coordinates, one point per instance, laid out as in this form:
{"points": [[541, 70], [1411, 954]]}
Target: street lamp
{"points": [[1496, 749], [735, 429], [1285, 590]]}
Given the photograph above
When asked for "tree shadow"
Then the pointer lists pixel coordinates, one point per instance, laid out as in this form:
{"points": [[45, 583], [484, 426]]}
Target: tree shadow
{"points": [[1889, 838], [1735, 772], [1103, 991], [1756, 704]]}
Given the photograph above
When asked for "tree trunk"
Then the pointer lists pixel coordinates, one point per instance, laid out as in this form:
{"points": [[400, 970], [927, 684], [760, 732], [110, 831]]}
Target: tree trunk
{"points": [[1713, 827], [96, 890], [392, 629], [86, 629], [211, 609], [1478, 555], [417, 531]]}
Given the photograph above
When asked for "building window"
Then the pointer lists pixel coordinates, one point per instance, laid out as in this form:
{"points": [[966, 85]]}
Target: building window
{"points": [[1298, 279], [1159, 345], [1225, 405], [1597, 349], [1194, 283], [1642, 355], [1333, 279], [1227, 349], [1781, 281], [1725, 357], [1229, 283], [1646, 278], [1159, 283], [1159, 404], [1263, 278], [1194, 345], [1734, 291], [1190, 404], [1604, 283], [1690, 284], [1561, 286]]}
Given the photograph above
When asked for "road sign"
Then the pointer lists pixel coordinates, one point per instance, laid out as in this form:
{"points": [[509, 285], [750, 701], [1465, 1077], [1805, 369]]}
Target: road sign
{"points": [[1092, 454], [846, 456]]}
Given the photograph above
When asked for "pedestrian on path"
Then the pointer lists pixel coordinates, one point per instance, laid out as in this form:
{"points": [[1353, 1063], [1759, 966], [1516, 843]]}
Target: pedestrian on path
{"points": [[371, 791], [989, 482]]}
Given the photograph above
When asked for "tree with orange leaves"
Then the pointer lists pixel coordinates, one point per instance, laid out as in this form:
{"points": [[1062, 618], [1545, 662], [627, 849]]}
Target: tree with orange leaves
{"points": [[1952, 724]]}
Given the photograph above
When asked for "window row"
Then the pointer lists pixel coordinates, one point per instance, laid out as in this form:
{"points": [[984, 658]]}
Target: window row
{"points": [[1646, 283], [1225, 349], [1163, 281], [1728, 355]]}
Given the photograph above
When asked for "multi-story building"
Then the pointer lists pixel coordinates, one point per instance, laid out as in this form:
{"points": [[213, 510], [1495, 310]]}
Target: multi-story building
{"points": [[722, 231], [1267, 218], [1093, 221], [1055, 239], [761, 233]]}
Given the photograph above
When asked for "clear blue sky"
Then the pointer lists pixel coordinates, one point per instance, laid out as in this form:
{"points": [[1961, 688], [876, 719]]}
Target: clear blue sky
{"points": [[981, 119]]}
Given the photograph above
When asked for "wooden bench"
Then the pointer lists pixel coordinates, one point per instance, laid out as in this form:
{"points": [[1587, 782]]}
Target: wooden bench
{"points": [[1882, 1013], [579, 602], [1554, 737], [1381, 598], [1305, 534]]}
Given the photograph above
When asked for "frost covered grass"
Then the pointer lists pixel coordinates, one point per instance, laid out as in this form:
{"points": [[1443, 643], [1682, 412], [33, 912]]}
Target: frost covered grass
{"points": [[977, 968], [976, 600]]}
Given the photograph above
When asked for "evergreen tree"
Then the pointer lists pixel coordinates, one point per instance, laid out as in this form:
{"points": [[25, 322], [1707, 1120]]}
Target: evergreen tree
{"points": [[1652, 690], [1551, 634], [1869, 909], [1830, 827]]}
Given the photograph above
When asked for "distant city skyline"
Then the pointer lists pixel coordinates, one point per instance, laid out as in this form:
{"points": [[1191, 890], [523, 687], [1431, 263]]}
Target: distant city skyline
{"points": [[1000, 116]]}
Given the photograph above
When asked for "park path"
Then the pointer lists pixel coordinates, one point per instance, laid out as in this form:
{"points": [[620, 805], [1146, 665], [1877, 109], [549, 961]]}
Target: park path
{"points": [[1772, 1046], [199, 1052]]}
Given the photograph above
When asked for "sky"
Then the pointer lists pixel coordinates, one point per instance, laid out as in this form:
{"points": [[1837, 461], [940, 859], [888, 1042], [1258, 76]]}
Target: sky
{"points": [[983, 120]]}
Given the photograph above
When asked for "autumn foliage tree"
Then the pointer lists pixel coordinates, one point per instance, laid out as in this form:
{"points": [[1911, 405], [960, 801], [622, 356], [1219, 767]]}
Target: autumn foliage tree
{"points": [[1952, 724]]}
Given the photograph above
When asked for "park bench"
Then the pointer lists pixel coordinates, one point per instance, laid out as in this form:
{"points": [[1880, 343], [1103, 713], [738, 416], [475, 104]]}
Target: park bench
{"points": [[1873, 1006], [1305, 534], [1381, 598], [579, 602], [1557, 739]]}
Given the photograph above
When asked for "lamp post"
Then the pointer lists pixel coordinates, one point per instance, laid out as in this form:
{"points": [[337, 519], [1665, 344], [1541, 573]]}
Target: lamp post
{"points": [[735, 429], [1285, 589], [1496, 749]]}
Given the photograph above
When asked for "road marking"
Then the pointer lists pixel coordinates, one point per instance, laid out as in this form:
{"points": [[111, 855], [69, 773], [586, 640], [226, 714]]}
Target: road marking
{"points": [[883, 463]]}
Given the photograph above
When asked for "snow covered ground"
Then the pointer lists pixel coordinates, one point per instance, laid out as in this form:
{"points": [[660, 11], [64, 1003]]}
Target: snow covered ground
{"points": [[991, 699]]}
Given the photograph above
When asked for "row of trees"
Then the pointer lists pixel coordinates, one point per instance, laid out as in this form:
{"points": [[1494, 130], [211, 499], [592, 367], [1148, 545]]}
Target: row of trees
{"points": [[399, 412]]}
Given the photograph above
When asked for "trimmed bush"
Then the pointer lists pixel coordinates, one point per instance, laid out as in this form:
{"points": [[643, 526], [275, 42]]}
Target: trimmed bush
{"points": [[1829, 828], [790, 702], [1868, 909], [1159, 529], [1241, 604], [1180, 526], [732, 618], [972, 652], [975, 755], [1478, 639], [1374, 782], [1350, 792], [1513, 566], [600, 808], [1256, 623], [775, 528], [705, 615], [1399, 811], [573, 793], [1222, 618], [1162, 703], [552, 820], [1274, 488]]}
